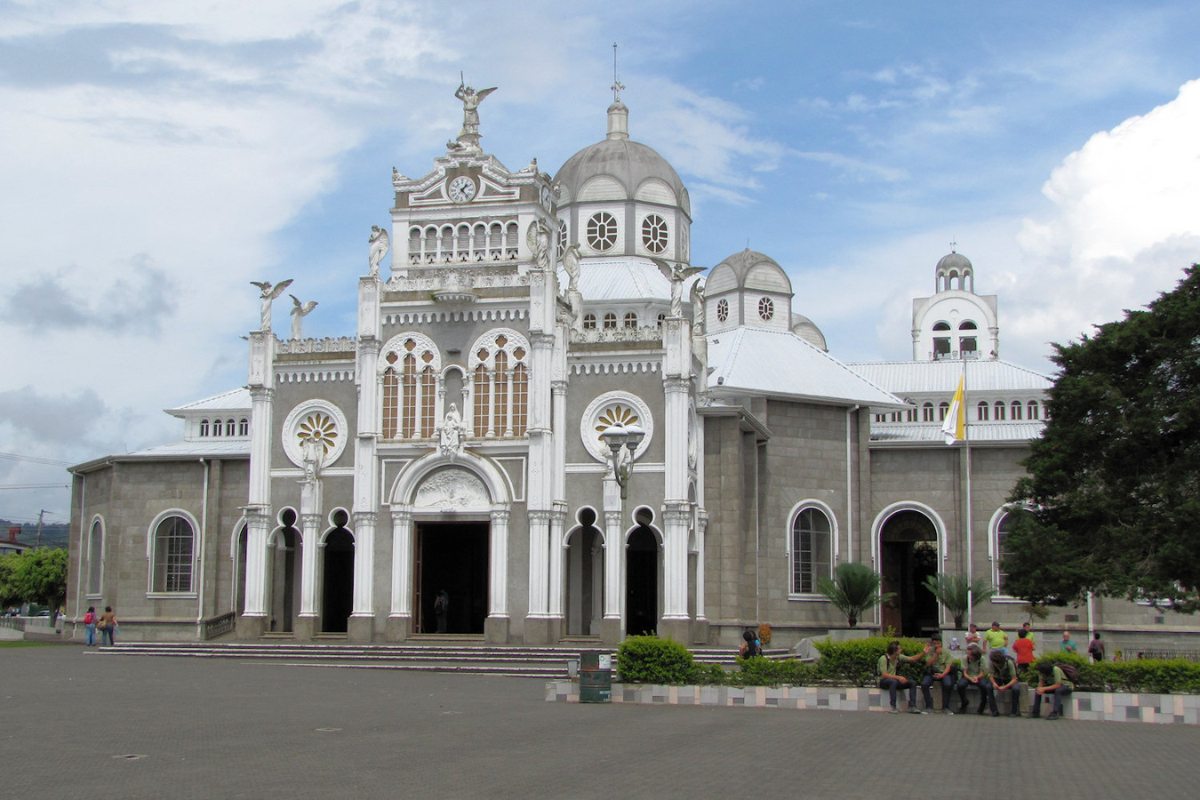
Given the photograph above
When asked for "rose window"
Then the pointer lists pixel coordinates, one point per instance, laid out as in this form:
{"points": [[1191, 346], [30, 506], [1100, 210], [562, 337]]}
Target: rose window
{"points": [[320, 427], [602, 231], [654, 233]]}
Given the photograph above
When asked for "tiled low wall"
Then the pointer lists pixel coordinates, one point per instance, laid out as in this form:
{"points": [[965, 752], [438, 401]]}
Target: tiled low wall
{"points": [[1096, 706]]}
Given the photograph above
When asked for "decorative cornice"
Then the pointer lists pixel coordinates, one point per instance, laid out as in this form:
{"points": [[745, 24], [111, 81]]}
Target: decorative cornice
{"points": [[613, 367], [313, 375], [426, 317], [339, 344], [613, 335]]}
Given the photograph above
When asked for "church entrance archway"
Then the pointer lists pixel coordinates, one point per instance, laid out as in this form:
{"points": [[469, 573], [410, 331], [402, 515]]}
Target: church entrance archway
{"points": [[641, 582], [337, 596], [239, 571], [585, 577], [452, 556], [909, 555], [284, 564]]}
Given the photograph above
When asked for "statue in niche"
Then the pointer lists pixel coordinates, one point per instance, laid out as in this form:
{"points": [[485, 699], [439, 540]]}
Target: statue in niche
{"points": [[537, 236], [299, 312], [380, 242], [269, 294], [452, 433], [676, 274], [312, 455], [468, 137], [574, 297]]}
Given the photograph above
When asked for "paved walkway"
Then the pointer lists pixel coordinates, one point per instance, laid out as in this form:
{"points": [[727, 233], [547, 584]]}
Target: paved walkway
{"points": [[78, 725]]}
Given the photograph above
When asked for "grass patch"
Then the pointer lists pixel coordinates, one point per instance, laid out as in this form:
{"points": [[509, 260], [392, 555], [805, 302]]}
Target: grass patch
{"points": [[23, 643]]}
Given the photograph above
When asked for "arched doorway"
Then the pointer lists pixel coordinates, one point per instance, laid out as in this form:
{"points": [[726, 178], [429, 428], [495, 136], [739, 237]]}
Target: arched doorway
{"points": [[452, 556], [641, 577], [285, 559], [585, 576], [337, 601], [909, 555]]}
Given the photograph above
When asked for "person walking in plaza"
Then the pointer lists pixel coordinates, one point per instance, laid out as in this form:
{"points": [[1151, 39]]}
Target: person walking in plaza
{"points": [[1067, 645], [1024, 648], [89, 625], [939, 666], [1004, 679], [1051, 680], [108, 627], [1096, 649], [996, 639], [890, 679], [975, 674]]}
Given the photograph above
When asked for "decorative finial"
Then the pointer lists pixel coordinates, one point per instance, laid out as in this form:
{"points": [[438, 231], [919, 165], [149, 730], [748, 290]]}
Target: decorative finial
{"points": [[617, 85], [952, 246]]}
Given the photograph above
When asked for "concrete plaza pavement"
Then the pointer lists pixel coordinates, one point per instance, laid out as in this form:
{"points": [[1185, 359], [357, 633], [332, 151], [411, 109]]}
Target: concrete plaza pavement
{"points": [[75, 724]]}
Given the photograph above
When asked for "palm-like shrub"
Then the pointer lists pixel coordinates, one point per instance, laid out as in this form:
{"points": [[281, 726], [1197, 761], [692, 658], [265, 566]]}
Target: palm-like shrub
{"points": [[958, 594], [853, 589]]}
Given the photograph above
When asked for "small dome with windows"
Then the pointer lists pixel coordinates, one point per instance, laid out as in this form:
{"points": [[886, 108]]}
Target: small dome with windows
{"points": [[954, 271], [748, 288]]}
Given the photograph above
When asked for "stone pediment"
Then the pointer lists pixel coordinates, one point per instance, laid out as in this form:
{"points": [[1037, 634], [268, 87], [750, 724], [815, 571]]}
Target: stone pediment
{"points": [[452, 490]]}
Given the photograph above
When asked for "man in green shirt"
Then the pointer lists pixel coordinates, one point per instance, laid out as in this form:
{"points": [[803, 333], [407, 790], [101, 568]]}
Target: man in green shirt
{"points": [[975, 674], [1051, 680], [939, 666], [890, 679], [1004, 679], [1067, 645], [1028, 628], [996, 639]]}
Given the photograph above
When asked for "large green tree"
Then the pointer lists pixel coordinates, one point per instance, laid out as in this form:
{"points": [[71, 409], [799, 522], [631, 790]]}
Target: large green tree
{"points": [[41, 576], [1114, 483]]}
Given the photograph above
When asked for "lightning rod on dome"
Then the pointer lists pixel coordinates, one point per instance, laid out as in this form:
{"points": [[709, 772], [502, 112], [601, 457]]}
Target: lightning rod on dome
{"points": [[617, 85]]}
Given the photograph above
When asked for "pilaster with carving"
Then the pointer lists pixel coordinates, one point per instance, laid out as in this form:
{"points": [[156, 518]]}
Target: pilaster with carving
{"points": [[557, 555], [310, 531], [364, 563], [402, 564], [258, 526], [675, 561], [498, 577], [614, 561], [539, 557]]}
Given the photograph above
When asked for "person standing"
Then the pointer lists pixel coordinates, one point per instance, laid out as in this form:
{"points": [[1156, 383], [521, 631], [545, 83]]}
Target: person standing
{"points": [[973, 636], [1004, 679], [1096, 649], [996, 639], [108, 627], [1024, 648], [1067, 645], [441, 608], [891, 679], [1051, 680], [89, 625], [1028, 628]]}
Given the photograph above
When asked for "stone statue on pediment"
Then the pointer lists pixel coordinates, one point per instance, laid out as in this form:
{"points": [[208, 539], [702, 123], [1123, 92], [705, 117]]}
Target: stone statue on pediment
{"points": [[452, 433], [313, 455], [380, 242], [268, 296], [468, 138], [299, 312], [537, 236]]}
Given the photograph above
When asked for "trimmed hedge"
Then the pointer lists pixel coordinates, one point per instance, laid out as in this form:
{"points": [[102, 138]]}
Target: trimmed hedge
{"points": [[648, 659], [1148, 675]]}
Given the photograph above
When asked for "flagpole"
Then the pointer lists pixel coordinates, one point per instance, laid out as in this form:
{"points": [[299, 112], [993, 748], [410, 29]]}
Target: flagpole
{"points": [[970, 545]]}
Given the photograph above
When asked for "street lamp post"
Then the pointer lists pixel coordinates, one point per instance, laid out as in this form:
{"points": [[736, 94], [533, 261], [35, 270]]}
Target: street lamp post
{"points": [[622, 441]]}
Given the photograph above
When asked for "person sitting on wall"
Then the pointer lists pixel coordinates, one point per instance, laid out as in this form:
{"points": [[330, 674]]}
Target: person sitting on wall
{"points": [[975, 674], [1004, 679], [939, 666], [750, 647], [1024, 648], [890, 679], [1050, 680]]}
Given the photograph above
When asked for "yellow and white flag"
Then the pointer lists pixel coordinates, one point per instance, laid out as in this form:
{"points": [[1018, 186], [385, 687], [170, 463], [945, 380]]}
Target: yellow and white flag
{"points": [[955, 426]]}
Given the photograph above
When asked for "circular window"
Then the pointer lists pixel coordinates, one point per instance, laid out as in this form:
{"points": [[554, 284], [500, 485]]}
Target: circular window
{"points": [[766, 309], [602, 231], [654, 233], [723, 310]]}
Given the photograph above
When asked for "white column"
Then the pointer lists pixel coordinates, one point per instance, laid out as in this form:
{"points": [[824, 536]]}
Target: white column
{"points": [[498, 559], [701, 530], [258, 525], [402, 564], [675, 562], [364, 564], [310, 528], [614, 565], [539, 555], [556, 554]]}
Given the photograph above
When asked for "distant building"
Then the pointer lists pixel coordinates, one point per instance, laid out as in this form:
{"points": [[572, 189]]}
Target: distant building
{"points": [[546, 412], [11, 544]]}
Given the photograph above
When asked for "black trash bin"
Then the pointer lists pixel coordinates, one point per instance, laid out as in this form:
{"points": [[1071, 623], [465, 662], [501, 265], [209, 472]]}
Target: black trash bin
{"points": [[595, 677]]}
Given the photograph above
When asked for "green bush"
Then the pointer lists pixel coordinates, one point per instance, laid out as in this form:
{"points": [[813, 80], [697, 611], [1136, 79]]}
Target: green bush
{"points": [[1150, 675], [711, 675], [856, 661], [759, 671], [648, 659]]}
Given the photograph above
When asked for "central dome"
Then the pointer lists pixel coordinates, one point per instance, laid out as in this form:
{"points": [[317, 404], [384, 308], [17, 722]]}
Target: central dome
{"points": [[619, 168]]}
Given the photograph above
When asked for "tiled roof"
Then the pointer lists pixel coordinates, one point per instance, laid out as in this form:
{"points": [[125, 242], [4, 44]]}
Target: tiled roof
{"points": [[780, 363], [941, 377]]}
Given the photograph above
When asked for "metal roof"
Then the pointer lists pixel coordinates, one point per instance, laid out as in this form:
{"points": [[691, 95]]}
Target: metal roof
{"points": [[629, 279], [976, 432], [941, 377], [780, 363], [235, 400]]}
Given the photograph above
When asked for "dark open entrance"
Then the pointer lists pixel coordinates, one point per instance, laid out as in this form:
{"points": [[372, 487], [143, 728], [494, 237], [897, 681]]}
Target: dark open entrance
{"points": [[284, 566], [641, 572], [585, 577], [909, 555], [338, 600], [452, 556]]}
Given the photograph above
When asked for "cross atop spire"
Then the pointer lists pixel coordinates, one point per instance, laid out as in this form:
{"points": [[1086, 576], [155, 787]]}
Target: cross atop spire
{"points": [[617, 86]]}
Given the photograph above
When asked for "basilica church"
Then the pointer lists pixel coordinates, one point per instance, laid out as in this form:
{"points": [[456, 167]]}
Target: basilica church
{"points": [[548, 415]]}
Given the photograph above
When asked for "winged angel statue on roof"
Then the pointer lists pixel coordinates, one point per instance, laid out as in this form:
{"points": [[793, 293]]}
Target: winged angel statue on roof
{"points": [[676, 274], [468, 137]]}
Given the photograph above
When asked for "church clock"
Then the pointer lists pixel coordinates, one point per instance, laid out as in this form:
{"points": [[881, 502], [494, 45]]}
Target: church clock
{"points": [[461, 189]]}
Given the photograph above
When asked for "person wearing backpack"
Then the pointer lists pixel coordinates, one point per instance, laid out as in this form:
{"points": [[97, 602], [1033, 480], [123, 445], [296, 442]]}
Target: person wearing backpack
{"points": [[89, 625], [1051, 679], [1096, 650], [750, 646], [1004, 679]]}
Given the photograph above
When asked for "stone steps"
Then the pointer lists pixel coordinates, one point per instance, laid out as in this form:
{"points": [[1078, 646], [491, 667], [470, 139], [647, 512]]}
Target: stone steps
{"points": [[428, 654]]}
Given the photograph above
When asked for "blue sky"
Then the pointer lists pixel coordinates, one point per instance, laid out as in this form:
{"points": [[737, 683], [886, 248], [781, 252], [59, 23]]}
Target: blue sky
{"points": [[160, 155]]}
